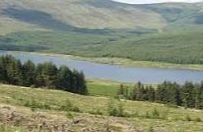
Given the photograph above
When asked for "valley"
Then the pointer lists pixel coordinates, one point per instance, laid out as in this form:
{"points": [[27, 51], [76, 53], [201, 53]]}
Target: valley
{"points": [[101, 66]]}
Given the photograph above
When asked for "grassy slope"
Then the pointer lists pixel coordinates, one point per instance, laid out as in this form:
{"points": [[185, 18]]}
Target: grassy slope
{"points": [[16, 98], [90, 13], [174, 47]]}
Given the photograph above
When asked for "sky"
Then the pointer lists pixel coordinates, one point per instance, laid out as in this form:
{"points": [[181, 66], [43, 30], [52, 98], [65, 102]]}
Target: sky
{"points": [[155, 1]]}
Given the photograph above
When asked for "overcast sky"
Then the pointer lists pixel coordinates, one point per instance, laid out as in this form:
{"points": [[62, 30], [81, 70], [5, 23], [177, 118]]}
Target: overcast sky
{"points": [[155, 1]]}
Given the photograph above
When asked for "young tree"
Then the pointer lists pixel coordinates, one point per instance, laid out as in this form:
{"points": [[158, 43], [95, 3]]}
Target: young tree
{"points": [[121, 90]]}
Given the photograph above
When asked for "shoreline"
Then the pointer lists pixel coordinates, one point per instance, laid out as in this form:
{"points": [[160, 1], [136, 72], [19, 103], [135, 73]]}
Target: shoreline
{"points": [[123, 62]]}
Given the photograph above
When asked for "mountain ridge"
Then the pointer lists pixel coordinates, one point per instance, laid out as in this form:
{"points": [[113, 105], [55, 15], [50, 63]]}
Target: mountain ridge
{"points": [[99, 14], [156, 1]]}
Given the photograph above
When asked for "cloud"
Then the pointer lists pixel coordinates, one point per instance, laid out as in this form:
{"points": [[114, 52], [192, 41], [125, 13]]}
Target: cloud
{"points": [[155, 1]]}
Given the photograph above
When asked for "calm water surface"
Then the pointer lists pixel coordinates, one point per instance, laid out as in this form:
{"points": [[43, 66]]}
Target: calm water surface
{"points": [[115, 72]]}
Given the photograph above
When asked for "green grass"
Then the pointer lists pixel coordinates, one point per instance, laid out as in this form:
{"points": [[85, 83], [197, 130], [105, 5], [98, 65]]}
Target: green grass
{"points": [[4, 128], [143, 115], [103, 88]]}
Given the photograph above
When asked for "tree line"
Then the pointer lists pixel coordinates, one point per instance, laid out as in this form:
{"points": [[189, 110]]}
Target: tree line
{"points": [[45, 75], [188, 95]]}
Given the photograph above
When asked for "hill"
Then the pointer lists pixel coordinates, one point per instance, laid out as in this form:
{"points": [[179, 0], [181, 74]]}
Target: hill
{"points": [[26, 109], [157, 32], [96, 14]]}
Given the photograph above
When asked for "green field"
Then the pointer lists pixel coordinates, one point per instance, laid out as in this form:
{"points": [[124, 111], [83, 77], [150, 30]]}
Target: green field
{"points": [[102, 88], [38, 109], [105, 88]]}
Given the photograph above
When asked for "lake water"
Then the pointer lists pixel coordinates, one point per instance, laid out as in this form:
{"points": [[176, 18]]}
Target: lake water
{"points": [[115, 72]]}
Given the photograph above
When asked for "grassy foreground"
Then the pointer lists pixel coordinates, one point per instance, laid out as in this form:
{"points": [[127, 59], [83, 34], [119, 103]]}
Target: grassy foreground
{"points": [[26, 109]]}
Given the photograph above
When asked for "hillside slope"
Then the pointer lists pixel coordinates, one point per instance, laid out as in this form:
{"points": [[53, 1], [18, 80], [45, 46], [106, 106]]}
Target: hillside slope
{"points": [[98, 14], [104, 29], [26, 109], [94, 14]]}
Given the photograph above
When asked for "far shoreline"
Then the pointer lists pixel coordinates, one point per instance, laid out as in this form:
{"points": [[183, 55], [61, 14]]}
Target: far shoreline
{"points": [[123, 61]]}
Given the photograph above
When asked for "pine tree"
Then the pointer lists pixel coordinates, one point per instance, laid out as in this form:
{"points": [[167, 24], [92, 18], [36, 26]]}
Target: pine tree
{"points": [[133, 95], [140, 92], [121, 90], [188, 95], [43, 75], [82, 84], [126, 92], [39, 80], [160, 93], [64, 77], [199, 96], [2, 71], [29, 73], [14, 72], [173, 94], [49, 74], [151, 94]]}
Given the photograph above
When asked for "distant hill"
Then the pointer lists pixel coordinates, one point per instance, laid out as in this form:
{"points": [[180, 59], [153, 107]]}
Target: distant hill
{"points": [[97, 14], [102, 23]]}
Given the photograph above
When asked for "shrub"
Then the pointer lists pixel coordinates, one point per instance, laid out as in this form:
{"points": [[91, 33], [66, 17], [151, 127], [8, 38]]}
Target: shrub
{"points": [[97, 112], [136, 114], [115, 110], [147, 115], [69, 115], [68, 106], [151, 129], [188, 118], [75, 109], [33, 104], [198, 119], [155, 113]]}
